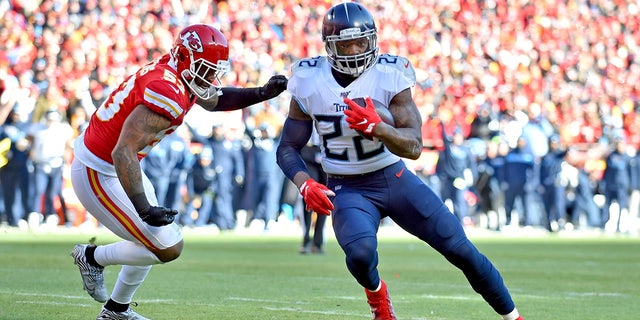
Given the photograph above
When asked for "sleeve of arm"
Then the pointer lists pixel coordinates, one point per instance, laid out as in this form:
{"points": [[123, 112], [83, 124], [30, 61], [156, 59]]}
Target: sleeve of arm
{"points": [[163, 98], [239, 98], [295, 135]]}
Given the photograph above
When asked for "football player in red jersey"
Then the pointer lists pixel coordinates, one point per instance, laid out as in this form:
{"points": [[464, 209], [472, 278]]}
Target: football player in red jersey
{"points": [[106, 174], [366, 178]]}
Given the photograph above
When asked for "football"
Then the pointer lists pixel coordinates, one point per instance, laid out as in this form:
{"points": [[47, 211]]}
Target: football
{"points": [[381, 109]]}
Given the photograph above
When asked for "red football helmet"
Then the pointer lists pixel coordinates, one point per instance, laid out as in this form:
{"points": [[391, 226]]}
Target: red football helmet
{"points": [[201, 55]]}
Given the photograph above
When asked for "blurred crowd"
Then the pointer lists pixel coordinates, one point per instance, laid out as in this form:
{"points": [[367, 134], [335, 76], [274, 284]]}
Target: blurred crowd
{"points": [[542, 97]]}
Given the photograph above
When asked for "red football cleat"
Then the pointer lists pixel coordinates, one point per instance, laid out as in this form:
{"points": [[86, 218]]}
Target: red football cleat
{"points": [[380, 303]]}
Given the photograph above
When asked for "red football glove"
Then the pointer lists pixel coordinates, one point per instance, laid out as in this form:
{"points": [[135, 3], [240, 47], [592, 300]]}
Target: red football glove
{"points": [[315, 195], [360, 118]]}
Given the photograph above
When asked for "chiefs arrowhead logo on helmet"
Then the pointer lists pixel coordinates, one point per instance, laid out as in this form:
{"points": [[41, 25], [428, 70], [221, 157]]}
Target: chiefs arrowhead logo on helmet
{"points": [[192, 41]]}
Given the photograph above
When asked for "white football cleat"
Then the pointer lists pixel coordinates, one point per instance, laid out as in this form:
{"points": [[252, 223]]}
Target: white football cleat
{"points": [[112, 315], [92, 276]]}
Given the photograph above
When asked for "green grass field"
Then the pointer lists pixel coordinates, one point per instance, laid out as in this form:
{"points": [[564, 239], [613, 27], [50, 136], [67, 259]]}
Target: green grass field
{"points": [[263, 277]]}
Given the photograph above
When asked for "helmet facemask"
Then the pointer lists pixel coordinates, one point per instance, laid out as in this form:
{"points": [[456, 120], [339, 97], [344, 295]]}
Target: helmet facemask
{"points": [[203, 77], [353, 65]]}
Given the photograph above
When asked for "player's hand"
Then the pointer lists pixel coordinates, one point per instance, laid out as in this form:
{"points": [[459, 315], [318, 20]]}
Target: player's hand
{"points": [[274, 87], [316, 196], [362, 119], [239, 180], [157, 216]]}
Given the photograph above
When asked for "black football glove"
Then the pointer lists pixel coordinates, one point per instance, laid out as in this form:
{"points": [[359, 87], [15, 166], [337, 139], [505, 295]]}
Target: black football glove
{"points": [[157, 216], [274, 87], [152, 215]]}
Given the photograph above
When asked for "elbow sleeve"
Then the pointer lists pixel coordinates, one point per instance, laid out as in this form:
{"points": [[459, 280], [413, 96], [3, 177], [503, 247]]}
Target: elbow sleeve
{"points": [[295, 135]]}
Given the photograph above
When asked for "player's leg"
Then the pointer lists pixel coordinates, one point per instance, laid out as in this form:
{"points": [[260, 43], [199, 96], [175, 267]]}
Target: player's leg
{"points": [[623, 209], [355, 223], [129, 279], [509, 202], [306, 229], [420, 212], [142, 246], [316, 172], [318, 233], [114, 210]]}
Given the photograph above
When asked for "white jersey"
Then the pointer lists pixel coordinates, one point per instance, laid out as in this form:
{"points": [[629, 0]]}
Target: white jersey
{"points": [[313, 87]]}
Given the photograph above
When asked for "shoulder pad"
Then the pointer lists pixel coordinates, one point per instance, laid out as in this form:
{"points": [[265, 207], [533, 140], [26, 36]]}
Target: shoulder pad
{"points": [[387, 62], [308, 66]]}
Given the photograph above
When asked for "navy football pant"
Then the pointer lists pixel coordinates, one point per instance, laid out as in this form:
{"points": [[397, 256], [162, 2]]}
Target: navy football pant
{"points": [[360, 203]]}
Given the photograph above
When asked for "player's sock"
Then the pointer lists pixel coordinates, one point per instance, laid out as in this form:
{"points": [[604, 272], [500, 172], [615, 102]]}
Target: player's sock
{"points": [[129, 279], [377, 289], [125, 253], [513, 315], [89, 255], [117, 307]]}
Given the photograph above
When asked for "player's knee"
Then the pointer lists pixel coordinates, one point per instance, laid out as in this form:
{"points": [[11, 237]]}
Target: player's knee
{"points": [[465, 256], [359, 259], [169, 254], [362, 252]]}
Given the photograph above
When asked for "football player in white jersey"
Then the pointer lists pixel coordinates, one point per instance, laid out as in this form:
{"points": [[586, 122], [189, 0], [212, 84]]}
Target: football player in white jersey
{"points": [[106, 174], [367, 179]]}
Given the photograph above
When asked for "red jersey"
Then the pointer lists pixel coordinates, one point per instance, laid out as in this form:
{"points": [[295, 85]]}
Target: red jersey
{"points": [[158, 87]]}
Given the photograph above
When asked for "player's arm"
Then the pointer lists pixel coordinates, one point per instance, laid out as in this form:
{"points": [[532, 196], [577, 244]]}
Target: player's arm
{"points": [[405, 139], [232, 98], [296, 132], [209, 104], [443, 134], [138, 131]]}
